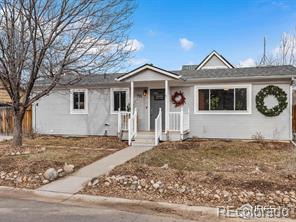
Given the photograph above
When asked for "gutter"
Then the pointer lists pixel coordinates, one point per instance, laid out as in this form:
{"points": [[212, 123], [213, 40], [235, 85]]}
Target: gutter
{"points": [[240, 78]]}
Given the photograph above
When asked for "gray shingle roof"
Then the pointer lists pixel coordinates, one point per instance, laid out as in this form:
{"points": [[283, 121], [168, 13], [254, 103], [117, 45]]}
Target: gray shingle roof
{"points": [[92, 79], [187, 74], [266, 71], [100, 78]]}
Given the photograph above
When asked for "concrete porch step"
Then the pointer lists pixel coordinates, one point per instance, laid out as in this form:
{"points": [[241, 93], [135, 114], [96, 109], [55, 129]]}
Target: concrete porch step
{"points": [[142, 144], [144, 139], [145, 135]]}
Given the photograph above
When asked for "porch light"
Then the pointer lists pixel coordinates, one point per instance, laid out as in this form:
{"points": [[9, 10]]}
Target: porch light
{"points": [[145, 92]]}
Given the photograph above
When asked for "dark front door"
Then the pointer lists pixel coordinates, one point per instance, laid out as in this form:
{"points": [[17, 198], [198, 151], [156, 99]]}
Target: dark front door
{"points": [[157, 100]]}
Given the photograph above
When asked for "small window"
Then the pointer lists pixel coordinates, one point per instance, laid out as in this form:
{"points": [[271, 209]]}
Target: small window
{"points": [[78, 102], [223, 99], [119, 100]]}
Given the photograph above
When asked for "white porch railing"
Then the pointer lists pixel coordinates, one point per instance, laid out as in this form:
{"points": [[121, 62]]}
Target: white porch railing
{"points": [[132, 126], [158, 127], [179, 121], [122, 123]]}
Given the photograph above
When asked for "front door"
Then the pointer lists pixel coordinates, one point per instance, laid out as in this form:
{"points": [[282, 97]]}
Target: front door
{"points": [[157, 100]]}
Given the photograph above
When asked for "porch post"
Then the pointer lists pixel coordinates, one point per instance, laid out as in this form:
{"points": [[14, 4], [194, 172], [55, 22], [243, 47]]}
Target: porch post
{"points": [[167, 105], [132, 97]]}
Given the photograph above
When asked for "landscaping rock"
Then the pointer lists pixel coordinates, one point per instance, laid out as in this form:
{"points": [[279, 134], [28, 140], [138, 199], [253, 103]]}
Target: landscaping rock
{"points": [[18, 180], [165, 166], [50, 174], [68, 168], [156, 186], [45, 181], [94, 182]]}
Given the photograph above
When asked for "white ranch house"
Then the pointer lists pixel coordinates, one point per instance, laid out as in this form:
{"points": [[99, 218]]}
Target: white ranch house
{"points": [[137, 106]]}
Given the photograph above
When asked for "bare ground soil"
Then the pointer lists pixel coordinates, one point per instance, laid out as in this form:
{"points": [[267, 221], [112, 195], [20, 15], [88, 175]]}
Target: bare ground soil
{"points": [[42, 152], [218, 172]]}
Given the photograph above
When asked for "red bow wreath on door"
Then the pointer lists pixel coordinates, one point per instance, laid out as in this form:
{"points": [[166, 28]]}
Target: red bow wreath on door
{"points": [[178, 98]]}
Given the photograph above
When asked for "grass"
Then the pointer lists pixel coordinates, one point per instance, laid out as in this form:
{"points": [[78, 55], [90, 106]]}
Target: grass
{"points": [[234, 163], [86, 142], [56, 152], [218, 155], [208, 167]]}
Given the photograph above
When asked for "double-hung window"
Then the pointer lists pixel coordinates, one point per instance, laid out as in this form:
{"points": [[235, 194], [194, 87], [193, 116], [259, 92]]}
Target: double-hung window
{"points": [[223, 99], [78, 101], [119, 99]]}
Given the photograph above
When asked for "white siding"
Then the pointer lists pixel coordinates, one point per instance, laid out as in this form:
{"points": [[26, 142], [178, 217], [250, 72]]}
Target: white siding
{"points": [[53, 116], [241, 126], [214, 62]]}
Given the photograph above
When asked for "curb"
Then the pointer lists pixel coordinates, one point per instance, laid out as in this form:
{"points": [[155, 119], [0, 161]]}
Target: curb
{"points": [[201, 210], [178, 209]]}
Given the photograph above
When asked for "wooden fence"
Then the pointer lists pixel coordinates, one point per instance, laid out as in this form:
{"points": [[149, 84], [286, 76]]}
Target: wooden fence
{"points": [[6, 121]]}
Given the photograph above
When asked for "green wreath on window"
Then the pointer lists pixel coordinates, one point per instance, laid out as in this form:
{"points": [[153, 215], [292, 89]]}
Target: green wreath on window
{"points": [[278, 93]]}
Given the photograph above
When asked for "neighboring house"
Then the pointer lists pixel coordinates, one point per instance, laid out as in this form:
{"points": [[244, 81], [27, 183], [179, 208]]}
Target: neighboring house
{"points": [[6, 114], [5, 99], [220, 103]]}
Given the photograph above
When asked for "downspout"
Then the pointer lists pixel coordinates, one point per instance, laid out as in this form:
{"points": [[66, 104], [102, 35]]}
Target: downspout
{"points": [[291, 110]]}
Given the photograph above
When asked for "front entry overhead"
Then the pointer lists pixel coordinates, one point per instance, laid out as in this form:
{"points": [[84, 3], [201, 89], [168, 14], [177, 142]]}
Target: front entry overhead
{"points": [[157, 100]]}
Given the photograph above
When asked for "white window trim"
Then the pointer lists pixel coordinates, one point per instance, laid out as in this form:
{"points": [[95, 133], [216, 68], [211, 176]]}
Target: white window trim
{"points": [[112, 90], [79, 111], [222, 86]]}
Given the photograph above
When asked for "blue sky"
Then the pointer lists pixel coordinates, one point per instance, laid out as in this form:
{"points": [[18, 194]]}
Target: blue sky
{"points": [[235, 28]]}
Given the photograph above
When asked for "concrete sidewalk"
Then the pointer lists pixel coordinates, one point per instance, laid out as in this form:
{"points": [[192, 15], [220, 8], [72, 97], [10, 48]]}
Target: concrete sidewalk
{"points": [[74, 183]]}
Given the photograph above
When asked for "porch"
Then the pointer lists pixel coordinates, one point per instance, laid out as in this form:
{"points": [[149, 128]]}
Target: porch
{"points": [[152, 116], [150, 107]]}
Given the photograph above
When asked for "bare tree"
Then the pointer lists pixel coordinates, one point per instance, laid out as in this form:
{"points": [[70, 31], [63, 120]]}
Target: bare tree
{"points": [[284, 54], [58, 42]]}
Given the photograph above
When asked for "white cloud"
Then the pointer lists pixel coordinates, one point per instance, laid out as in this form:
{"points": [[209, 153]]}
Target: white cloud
{"points": [[249, 62], [134, 45], [186, 44], [138, 61], [104, 45], [280, 4]]}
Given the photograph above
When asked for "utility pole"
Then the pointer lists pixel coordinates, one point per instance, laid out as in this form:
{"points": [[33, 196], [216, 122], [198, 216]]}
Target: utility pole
{"points": [[263, 60]]}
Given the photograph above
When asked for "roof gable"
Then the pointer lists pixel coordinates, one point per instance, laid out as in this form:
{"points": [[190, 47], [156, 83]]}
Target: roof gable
{"points": [[146, 67], [214, 61]]}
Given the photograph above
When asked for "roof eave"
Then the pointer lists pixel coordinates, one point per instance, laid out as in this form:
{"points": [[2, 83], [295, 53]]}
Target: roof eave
{"points": [[147, 66], [242, 78]]}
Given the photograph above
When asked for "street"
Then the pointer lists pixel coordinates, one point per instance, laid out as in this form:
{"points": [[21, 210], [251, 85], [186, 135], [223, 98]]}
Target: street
{"points": [[17, 210]]}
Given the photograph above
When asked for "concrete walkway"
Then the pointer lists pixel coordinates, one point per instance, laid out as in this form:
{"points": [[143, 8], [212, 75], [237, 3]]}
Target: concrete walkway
{"points": [[74, 183]]}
